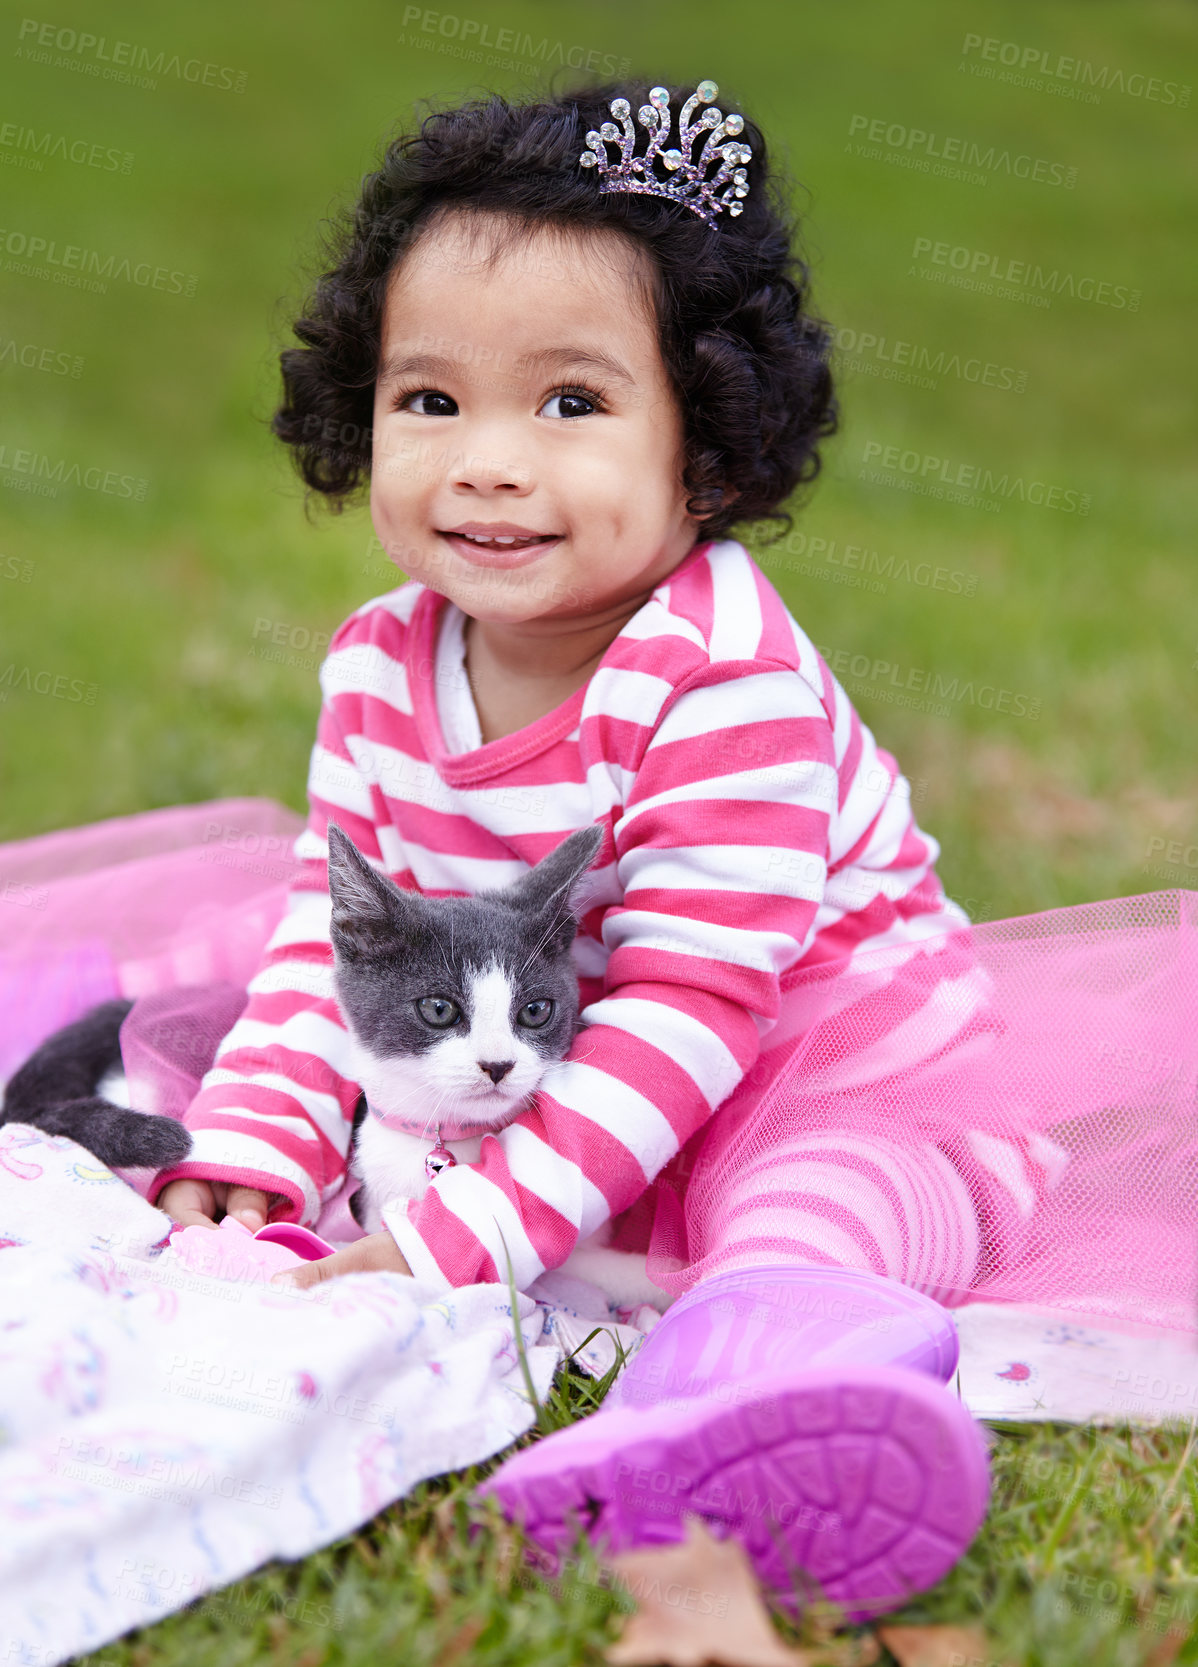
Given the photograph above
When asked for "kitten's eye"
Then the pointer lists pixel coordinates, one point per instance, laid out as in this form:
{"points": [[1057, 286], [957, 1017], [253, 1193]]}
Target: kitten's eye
{"points": [[428, 402], [534, 1014], [438, 1011]]}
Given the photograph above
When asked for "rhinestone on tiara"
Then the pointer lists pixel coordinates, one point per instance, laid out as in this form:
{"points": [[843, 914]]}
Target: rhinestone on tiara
{"points": [[688, 184]]}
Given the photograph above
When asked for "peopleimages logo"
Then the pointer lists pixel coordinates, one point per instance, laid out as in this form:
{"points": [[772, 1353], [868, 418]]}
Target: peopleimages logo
{"points": [[55, 472], [950, 149], [469, 37], [32, 147], [883, 465], [31, 356], [1032, 62], [59, 685], [911, 362], [816, 553], [120, 60], [887, 681], [39, 257], [979, 269]]}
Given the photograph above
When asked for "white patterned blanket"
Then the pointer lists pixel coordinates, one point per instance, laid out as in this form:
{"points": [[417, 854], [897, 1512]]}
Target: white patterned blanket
{"points": [[162, 1434]]}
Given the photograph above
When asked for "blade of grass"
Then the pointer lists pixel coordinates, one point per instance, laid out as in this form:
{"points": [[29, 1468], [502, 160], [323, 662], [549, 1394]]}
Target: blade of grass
{"points": [[1069, 1509], [544, 1423]]}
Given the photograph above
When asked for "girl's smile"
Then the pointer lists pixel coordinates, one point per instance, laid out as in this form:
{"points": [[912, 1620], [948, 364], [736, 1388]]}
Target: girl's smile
{"points": [[498, 544]]}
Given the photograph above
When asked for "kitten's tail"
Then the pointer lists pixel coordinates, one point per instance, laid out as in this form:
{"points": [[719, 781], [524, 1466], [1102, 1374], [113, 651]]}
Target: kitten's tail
{"points": [[55, 1090]]}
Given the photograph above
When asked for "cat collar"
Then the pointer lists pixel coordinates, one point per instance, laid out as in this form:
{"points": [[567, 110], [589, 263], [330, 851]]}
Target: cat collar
{"points": [[438, 1157]]}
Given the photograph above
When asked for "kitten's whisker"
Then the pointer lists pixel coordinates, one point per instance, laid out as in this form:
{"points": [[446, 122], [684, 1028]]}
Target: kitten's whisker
{"points": [[539, 946], [396, 1106], [434, 1121], [445, 957]]}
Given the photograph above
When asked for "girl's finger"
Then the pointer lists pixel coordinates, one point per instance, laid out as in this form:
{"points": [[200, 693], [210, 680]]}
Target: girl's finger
{"points": [[375, 1251], [189, 1203], [310, 1273], [247, 1205], [192, 1218]]}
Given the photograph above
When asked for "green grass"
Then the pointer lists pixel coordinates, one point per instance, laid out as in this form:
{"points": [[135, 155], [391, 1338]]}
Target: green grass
{"points": [[155, 602], [1085, 1556]]}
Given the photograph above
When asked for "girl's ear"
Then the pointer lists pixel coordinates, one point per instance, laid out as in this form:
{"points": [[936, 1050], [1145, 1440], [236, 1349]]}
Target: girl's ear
{"points": [[367, 906]]}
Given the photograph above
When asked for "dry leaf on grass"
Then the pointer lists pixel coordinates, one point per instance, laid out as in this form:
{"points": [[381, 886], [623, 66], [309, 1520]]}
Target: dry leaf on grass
{"points": [[938, 1646], [1166, 1651], [463, 1641], [699, 1604]]}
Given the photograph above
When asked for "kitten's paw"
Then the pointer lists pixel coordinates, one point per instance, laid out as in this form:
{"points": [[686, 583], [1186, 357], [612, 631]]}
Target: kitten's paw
{"points": [[144, 1141], [120, 1138]]}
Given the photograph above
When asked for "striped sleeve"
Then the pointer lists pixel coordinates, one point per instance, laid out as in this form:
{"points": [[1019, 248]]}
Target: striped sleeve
{"points": [[721, 851], [276, 1109]]}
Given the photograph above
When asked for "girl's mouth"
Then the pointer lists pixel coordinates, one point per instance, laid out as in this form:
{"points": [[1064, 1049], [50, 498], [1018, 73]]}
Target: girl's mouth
{"points": [[499, 544]]}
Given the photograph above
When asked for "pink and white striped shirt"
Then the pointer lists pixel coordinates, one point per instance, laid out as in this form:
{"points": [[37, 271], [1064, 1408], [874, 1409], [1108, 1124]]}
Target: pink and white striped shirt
{"points": [[750, 823]]}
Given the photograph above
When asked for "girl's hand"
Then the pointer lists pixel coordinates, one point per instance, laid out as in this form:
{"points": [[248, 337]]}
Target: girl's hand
{"points": [[195, 1203], [377, 1252]]}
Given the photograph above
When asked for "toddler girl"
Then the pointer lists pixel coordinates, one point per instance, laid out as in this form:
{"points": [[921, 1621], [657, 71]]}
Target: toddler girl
{"points": [[567, 363], [565, 384]]}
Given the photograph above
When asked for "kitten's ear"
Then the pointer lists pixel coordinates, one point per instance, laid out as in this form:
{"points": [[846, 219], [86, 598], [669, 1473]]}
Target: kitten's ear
{"points": [[557, 886], [367, 906]]}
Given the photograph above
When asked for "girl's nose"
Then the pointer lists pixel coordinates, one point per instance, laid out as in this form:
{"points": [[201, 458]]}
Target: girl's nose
{"points": [[487, 467]]}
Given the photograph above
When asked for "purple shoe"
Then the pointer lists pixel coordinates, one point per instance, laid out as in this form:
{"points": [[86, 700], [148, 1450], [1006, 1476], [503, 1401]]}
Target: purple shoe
{"points": [[860, 1481]]}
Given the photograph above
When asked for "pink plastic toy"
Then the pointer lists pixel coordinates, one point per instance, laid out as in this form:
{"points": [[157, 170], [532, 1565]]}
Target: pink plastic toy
{"points": [[302, 1241], [233, 1252]]}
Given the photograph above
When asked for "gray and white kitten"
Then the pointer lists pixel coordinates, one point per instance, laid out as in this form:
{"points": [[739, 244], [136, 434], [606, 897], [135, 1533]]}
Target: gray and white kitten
{"points": [[458, 1010]]}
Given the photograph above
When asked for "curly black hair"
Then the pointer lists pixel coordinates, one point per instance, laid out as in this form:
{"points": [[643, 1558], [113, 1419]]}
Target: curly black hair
{"points": [[749, 365]]}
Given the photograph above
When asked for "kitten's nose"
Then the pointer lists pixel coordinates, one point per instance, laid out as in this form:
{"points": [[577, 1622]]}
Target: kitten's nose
{"points": [[496, 1069]]}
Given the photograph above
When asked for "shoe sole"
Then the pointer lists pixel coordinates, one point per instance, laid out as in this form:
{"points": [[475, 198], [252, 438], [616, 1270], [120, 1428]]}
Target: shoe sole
{"points": [[869, 1482]]}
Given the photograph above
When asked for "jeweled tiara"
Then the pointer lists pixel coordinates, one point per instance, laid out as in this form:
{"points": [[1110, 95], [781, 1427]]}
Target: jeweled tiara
{"points": [[688, 184]]}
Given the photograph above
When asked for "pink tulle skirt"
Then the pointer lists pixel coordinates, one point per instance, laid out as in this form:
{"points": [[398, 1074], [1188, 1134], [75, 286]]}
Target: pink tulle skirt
{"points": [[1075, 1029], [139, 905], [1067, 1036]]}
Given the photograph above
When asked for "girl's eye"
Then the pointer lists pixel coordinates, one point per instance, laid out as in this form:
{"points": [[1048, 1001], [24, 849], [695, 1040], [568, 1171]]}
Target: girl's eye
{"points": [[438, 1011], [569, 403], [427, 402], [535, 1014]]}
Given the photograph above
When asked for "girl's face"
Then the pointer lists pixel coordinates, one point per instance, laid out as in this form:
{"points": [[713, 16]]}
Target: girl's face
{"points": [[527, 449]]}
